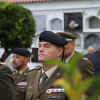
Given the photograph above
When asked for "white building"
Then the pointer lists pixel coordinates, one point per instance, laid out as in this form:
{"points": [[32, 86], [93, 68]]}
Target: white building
{"points": [[55, 15]]}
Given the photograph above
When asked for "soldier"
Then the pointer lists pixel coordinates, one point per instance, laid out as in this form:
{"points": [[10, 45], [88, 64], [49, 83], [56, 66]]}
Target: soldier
{"points": [[21, 57], [98, 51], [6, 83], [84, 65], [42, 78]]}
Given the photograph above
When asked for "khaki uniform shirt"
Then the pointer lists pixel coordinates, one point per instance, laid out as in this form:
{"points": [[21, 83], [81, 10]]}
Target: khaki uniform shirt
{"points": [[20, 84], [6, 83], [87, 70], [33, 92]]}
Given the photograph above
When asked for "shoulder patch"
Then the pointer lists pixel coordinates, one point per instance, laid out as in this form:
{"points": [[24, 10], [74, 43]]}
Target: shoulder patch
{"points": [[25, 74], [85, 58], [3, 64], [14, 70], [38, 67]]}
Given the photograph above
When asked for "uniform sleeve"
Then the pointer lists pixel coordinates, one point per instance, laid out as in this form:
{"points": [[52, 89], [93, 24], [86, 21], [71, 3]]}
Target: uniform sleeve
{"points": [[6, 83], [86, 68]]}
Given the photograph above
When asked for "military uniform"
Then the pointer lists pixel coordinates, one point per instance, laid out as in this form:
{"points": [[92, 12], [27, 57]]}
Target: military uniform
{"points": [[6, 83], [87, 71], [33, 92], [86, 68], [84, 65], [20, 85]]}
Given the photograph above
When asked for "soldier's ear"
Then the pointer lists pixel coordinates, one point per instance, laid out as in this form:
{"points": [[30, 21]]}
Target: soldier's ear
{"points": [[27, 60], [60, 51], [73, 45]]}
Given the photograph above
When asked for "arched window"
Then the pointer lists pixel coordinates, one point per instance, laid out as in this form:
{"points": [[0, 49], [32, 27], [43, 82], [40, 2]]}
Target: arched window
{"points": [[94, 22], [91, 40], [56, 24]]}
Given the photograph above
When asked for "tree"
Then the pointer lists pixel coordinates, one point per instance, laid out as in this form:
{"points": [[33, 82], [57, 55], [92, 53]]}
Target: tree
{"points": [[17, 27]]}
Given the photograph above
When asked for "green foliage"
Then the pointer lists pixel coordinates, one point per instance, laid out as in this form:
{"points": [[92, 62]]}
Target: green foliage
{"points": [[98, 13], [72, 82], [96, 89], [17, 26]]}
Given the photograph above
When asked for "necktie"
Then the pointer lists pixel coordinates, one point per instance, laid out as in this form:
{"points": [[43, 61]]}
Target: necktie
{"points": [[17, 74], [44, 78]]}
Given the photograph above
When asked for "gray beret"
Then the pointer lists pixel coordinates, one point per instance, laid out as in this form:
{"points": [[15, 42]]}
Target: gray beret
{"points": [[22, 52], [52, 38]]}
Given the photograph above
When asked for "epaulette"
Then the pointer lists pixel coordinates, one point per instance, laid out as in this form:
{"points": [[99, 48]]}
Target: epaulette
{"points": [[25, 74], [3, 64], [14, 71], [38, 67], [85, 58]]}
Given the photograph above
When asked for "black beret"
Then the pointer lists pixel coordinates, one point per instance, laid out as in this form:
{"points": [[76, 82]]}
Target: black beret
{"points": [[22, 52], [52, 38], [68, 36]]}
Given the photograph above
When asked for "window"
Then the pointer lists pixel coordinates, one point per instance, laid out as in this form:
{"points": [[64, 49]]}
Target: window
{"points": [[73, 21], [40, 21], [56, 24], [94, 22], [91, 40]]}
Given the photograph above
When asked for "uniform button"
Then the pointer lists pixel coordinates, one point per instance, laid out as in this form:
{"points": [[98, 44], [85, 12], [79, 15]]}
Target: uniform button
{"points": [[22, 90], [25, 74]]}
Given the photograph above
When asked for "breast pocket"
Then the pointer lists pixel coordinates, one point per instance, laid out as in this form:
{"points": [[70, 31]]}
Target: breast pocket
{"points": [[29, 96], [21, 88]]}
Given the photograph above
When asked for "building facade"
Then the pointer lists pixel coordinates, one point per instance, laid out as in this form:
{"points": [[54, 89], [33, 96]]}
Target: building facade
{"points": [[77, 16]]}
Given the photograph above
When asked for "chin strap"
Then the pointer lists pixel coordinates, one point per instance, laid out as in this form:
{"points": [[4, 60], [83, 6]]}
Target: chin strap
{"points": [[63, 54]]}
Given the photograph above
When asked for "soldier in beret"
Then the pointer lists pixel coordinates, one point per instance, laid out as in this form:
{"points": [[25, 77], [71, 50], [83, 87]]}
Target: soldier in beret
{"points": [[84, 65], [42, 78], [6, 83], [21, 57]]}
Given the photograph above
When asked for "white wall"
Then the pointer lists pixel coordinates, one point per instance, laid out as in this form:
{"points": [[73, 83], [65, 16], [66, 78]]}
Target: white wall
{"points": [[57, 9]]}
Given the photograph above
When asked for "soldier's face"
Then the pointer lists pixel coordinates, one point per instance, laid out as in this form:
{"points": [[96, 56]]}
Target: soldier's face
{"points": [[18, 61], [47, 51], [69, 48]]}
